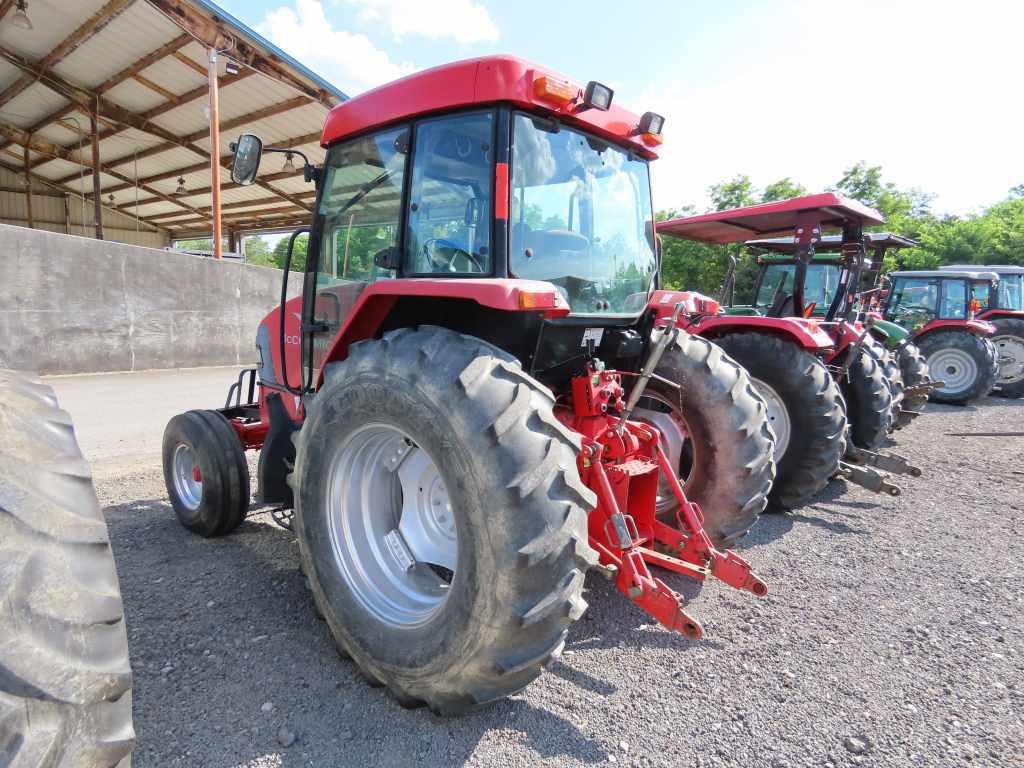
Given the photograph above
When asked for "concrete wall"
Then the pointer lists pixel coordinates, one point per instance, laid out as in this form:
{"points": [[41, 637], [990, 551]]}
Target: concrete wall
{"points": [[71, 305]]}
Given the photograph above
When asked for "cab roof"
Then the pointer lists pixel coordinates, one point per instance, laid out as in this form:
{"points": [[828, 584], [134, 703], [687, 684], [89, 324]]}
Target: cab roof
{"points": [[832, 243], [1001, 269], [476, 82], [738, 224], [966, 274]]}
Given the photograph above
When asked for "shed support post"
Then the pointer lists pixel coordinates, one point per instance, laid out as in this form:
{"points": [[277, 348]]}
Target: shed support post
{"points": [[218, 246], [97, 201], [28, 190]]}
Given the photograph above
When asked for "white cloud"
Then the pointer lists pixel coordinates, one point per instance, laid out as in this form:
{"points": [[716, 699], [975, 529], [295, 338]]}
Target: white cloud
{"points": [[350, 61], [464, 21], [925, 90]]}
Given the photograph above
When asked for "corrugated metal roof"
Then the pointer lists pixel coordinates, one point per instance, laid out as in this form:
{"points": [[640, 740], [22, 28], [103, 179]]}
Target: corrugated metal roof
{"points": [[154, 124]]}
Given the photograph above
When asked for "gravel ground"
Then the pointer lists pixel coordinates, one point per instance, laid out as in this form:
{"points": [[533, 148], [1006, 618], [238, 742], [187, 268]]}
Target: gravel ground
{"points": [[892, 636]]}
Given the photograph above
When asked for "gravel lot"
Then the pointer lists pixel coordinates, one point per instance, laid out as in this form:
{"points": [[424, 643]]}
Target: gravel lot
{"points": [[892, 635]]}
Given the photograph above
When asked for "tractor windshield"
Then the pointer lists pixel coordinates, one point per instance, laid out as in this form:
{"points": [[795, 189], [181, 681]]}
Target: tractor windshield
{"points": [[819, 285], [581, 218]]}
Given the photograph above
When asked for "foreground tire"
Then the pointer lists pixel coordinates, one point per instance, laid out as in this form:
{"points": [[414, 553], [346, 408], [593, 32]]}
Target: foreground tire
{"points": [[715, 429], [915, 372], [205, 472], [65, 679], [458, 581], [868, 401], [1009, 343], [964, 361], [805, 409]]}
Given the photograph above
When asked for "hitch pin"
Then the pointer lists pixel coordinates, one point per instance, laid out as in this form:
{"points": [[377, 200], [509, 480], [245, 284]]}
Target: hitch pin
{"points": [[671, 331]]}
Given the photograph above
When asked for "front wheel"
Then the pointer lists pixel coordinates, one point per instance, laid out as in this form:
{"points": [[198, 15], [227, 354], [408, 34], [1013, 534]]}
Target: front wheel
{"points": [[714, 428], [868, 401], [916, 373], [1009, 344], [964, 362], [441, 519], [805, 410]]}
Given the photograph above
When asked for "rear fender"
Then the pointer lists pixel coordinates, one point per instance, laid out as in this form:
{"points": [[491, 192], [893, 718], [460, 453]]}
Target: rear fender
{"points": [[376, 302], [808, 334], [989, 315], [977, 327]]}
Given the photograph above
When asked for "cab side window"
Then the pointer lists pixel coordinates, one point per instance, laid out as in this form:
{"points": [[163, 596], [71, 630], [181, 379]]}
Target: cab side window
{"points": [[450, 196]]}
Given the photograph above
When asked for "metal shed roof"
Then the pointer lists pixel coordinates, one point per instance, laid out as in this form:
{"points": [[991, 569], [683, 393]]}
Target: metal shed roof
{"points": [[141, 66]]}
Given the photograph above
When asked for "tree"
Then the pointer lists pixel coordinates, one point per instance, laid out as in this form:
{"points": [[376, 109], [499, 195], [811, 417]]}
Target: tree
{"points": [[298, 263], [734, 193], [783, 189], [257, 251]]}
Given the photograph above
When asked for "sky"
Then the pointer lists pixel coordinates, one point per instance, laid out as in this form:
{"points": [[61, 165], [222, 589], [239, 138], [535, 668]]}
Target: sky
{"points": [[930, 90]]}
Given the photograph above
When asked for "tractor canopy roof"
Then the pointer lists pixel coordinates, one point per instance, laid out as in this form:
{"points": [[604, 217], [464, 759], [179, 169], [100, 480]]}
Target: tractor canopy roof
{"points": [[479, 82], [1001, 269], [830, 244], [963, 274], [738, 224]]}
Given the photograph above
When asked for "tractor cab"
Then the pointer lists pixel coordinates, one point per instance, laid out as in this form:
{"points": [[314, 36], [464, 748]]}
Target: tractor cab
{"points": [[777, 259], [924, 300], [467, 191], [1010, 295]]}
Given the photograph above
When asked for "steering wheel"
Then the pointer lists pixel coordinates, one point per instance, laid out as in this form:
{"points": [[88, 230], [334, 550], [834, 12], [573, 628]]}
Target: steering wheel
{"points": [[431, 246]]}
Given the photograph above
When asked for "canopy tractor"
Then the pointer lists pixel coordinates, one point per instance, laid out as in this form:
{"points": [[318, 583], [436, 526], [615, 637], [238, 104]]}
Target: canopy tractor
{"points": [[902, 364], [939, 308], [1005, 310], [481, 392], [804, 366]]}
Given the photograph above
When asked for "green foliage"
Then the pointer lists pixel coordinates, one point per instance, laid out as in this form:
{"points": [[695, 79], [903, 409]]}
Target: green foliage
{"points": [[298, 254], [257, 251], [783, 189]]}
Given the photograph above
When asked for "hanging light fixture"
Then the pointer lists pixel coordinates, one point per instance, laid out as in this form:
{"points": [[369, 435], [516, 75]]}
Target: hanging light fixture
{"points": [[110, 198], [289, 163], [181, 186], [20, 17]]}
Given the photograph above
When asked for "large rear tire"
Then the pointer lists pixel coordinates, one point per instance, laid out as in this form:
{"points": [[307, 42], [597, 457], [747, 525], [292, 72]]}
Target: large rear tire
{"points": [[441, 519], [964, 361], [806, 410], [1009, 344], [868, 401], [715, 429], [915, 372], [65, 679]]}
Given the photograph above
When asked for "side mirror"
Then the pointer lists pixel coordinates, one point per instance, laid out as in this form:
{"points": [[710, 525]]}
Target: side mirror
{"points": [[246, 161]]}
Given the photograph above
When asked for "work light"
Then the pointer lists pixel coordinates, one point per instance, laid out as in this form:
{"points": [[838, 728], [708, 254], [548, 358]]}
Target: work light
{"points": [[597, 96], [651, 123]]}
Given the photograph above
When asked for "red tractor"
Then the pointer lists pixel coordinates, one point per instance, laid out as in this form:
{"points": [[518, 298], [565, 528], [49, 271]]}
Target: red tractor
{"points": [[812, 370], [1004, 308], [940, 309], [451, 407]]}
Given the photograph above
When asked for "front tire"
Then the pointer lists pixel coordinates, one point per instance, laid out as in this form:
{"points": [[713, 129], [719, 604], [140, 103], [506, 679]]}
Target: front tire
{"points": [[205, 472], [964, 361], [915, 372], [1009, 344], [480, 623], [716, 431], [65, 677], [807, 409], [868, 401]]}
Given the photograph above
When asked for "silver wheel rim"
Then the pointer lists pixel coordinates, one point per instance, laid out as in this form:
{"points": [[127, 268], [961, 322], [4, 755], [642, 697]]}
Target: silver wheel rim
{"points": [[1011, 358], [188, 482], [392, 527], [955, 367], [675, 439], [778, 417]]}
